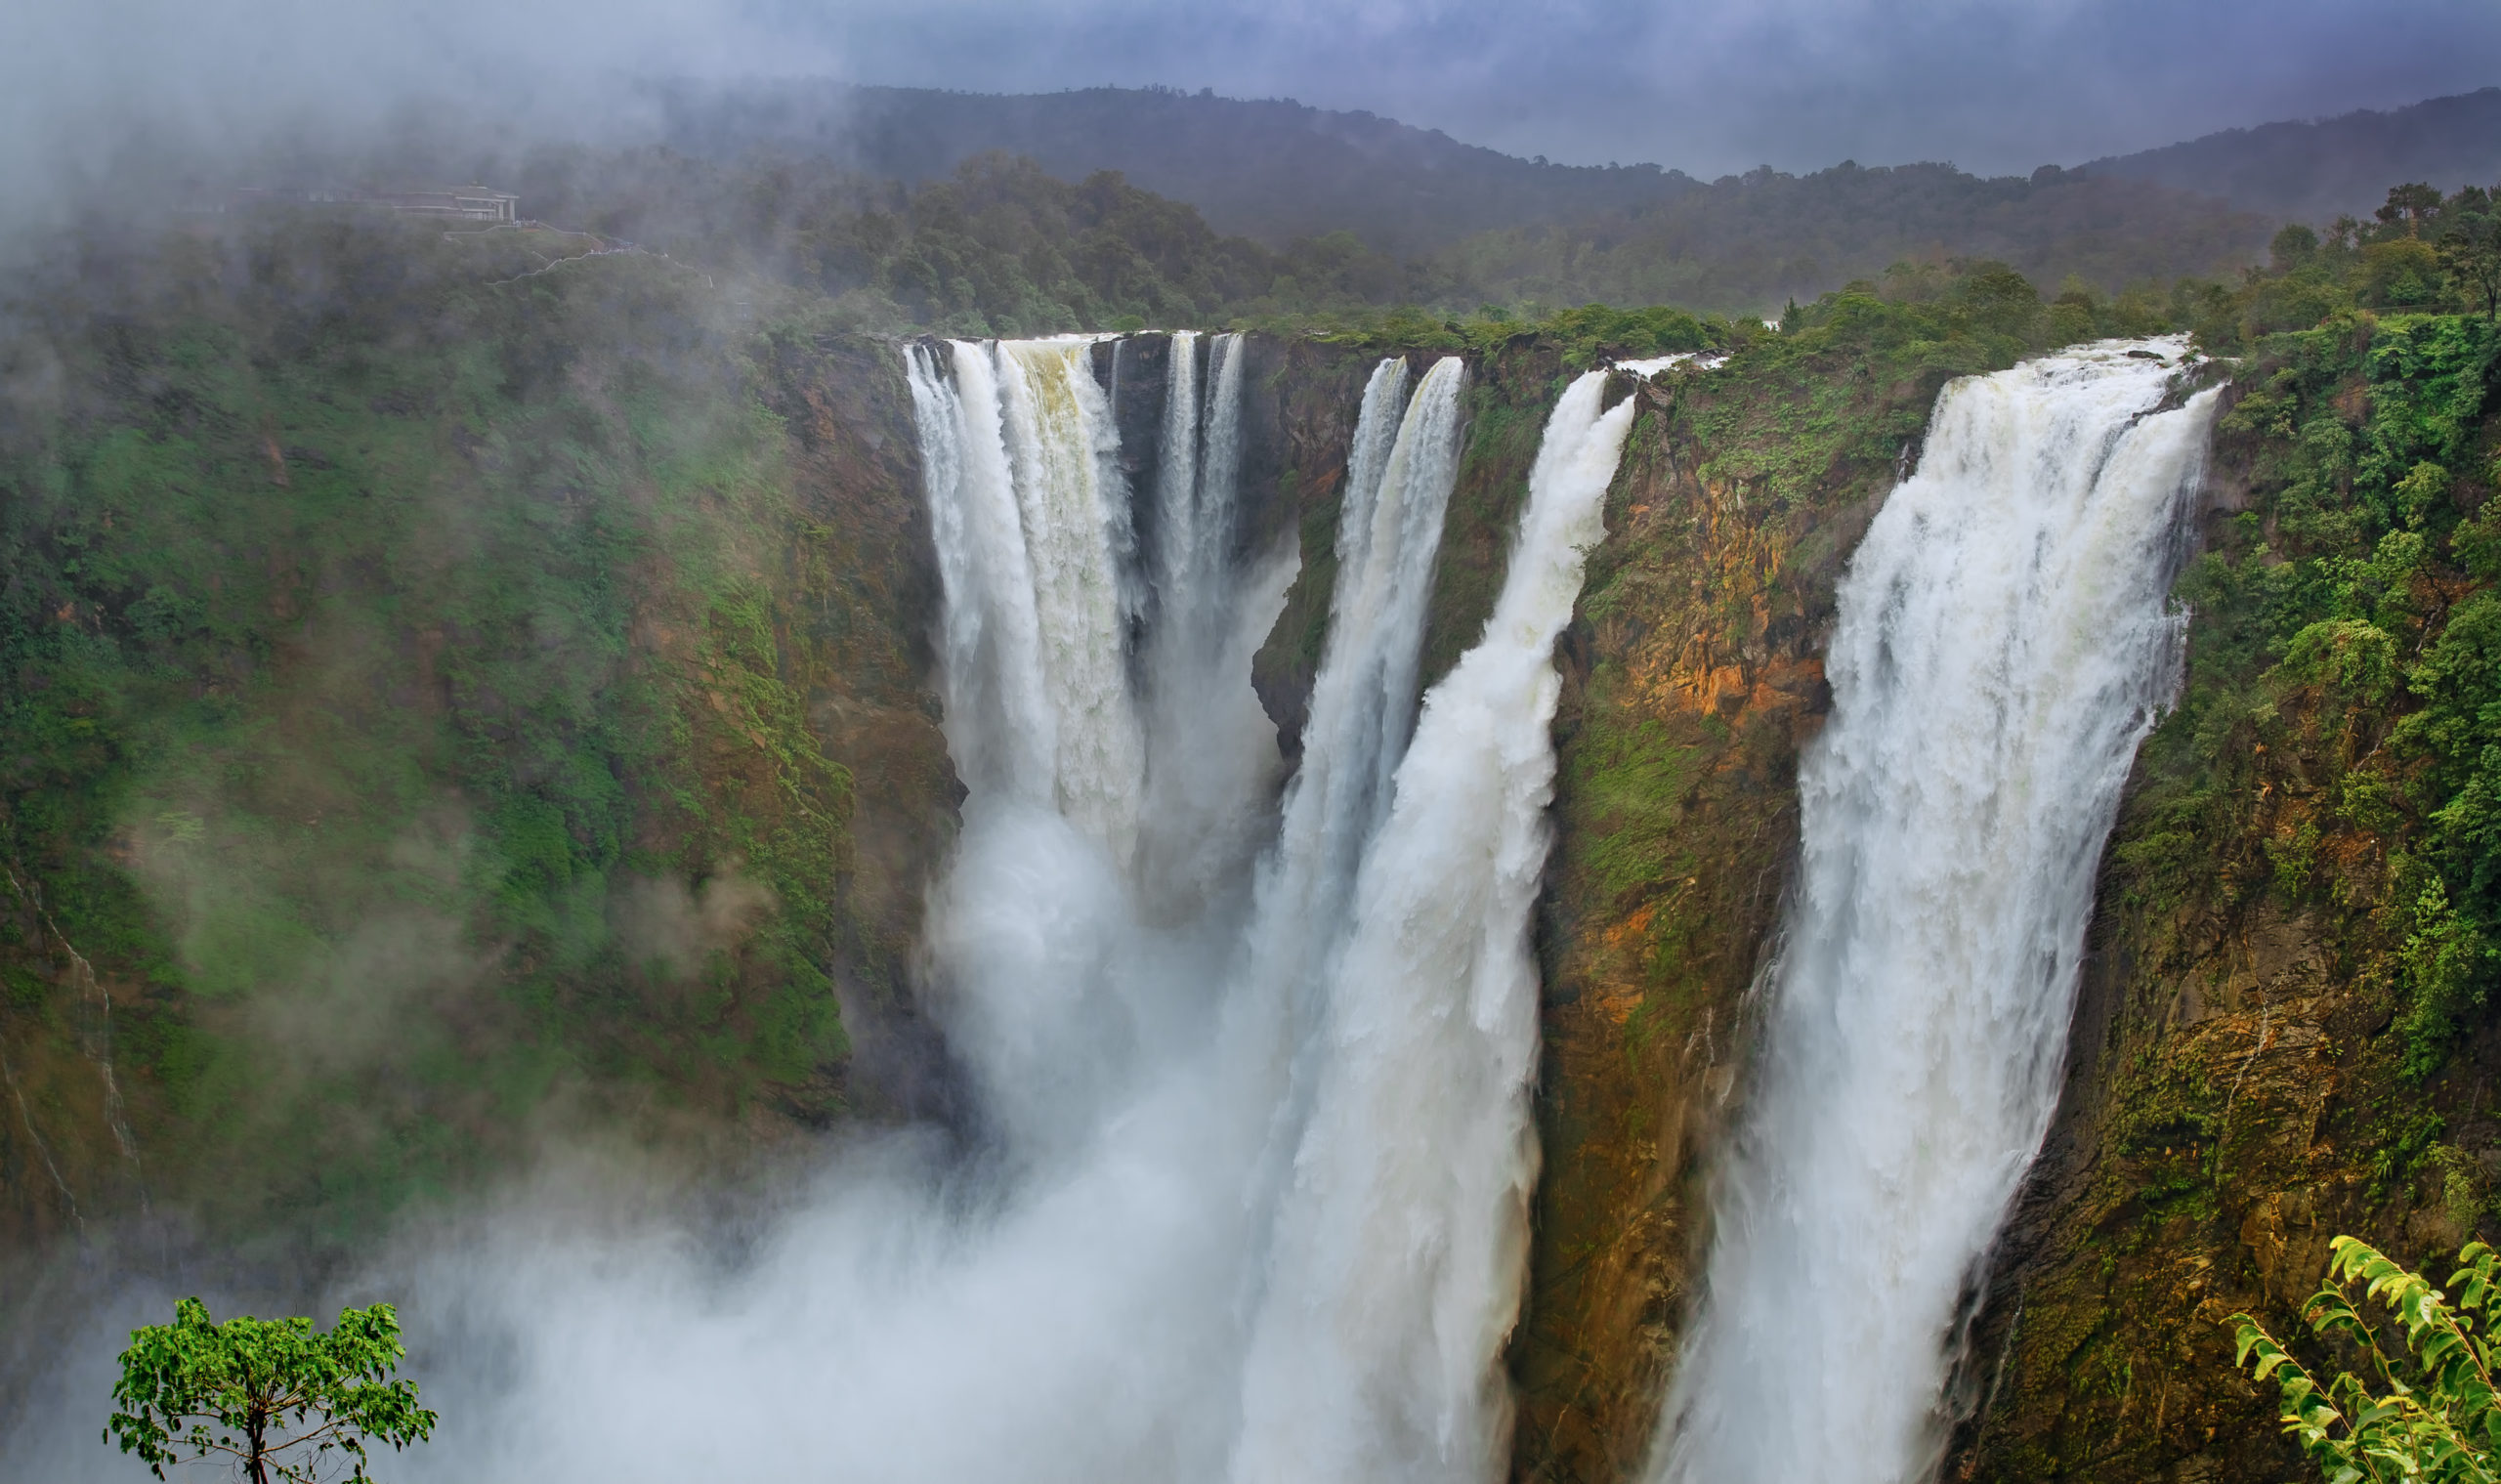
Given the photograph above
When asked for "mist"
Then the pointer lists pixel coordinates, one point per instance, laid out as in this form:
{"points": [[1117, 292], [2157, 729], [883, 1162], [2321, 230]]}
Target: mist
{"points": [[95, 98]]}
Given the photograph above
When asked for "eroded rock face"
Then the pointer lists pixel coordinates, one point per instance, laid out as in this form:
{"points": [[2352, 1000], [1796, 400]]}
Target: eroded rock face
{"points": [[1694, 676]]}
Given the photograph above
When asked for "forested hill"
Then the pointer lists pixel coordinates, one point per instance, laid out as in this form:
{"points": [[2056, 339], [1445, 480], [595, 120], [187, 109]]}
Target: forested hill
{"points": [[1747, 242], [1002, 248], [1272, 170], [2312, 171]]}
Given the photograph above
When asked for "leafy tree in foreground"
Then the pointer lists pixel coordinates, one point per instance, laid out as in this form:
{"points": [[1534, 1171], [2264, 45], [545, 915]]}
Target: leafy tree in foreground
{"points": [[2442, 1427], [259, 1391]]}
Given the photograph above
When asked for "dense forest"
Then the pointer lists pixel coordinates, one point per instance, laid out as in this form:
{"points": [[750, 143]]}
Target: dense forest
{"points": [[1000, 246], [1751, 241], [1275, 170], [1155, 208]]}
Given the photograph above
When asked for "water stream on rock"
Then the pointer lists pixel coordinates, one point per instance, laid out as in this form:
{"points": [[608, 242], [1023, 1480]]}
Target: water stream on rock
{"points": [[2004, 643]]}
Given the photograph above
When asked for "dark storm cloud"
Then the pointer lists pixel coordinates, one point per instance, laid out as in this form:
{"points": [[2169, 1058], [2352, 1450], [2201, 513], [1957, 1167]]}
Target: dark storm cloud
{"points": [[1994, 85]]}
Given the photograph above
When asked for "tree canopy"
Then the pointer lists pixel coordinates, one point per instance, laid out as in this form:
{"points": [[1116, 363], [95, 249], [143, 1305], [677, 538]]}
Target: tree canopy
{"points": [[276, 1395]]}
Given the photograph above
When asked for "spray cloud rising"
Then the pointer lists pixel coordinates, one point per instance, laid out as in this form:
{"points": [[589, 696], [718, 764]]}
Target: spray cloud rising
{"points": [[1251, 1074]]}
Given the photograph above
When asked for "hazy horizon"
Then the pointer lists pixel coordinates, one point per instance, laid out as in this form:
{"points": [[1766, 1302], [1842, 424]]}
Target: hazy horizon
{"points": [[1991, 86]]}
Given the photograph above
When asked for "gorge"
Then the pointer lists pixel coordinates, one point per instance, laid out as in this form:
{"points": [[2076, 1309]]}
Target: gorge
{"points": [[1236, 905]]}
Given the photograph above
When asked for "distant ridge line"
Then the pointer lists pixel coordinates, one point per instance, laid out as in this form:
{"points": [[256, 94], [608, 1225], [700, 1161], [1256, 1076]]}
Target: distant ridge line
{"points": [[2313, 169]]}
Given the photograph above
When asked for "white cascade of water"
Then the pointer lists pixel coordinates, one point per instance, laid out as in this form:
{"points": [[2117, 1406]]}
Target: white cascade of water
{"points": [[1065, 449], [1211, 750], [1029, 514], [1001, 724], [1400, 472], [1075, 1302], [2004, 643], [1397, 1275]]}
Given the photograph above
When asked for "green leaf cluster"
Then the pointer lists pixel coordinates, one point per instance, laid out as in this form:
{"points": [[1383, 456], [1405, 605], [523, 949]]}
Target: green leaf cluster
{"points": [[2427, 1412], [276, 1395], [2334, 746], [364, 653]]}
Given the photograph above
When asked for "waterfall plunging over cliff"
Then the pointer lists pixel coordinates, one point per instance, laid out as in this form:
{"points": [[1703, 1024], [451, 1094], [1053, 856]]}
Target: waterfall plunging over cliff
{"points": [[2003, 646], [1405, 1229], [1363, 1101], [1238, 1192]]}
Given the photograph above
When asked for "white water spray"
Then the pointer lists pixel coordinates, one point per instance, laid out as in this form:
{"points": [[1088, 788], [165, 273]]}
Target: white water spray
{"points": [[2003, 646], [1253, 1074], [1399, 476], [1398, 1273], [1212, 755]]}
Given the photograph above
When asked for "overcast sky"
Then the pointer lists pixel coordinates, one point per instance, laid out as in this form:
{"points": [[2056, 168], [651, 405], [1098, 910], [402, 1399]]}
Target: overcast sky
{"points": [[1708, 86], [1719, 85]]}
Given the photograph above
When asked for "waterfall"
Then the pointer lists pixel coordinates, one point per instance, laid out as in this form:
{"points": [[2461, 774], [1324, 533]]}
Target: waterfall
{"points": [[1399, 476], [1243, 1191], [1077, 522], [1400, 472], [1213, 756], [2003, 645], [999, 725], [1398, 1275]]}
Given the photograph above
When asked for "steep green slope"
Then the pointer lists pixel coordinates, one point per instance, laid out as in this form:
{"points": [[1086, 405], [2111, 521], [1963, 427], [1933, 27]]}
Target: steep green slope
{"points": [[441, 704]]}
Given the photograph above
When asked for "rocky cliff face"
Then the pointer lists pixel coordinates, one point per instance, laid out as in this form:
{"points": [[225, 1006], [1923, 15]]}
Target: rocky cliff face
{"points": [[1695, 675]]}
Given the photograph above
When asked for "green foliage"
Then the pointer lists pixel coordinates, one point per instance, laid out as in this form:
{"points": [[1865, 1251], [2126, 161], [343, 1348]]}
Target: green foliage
{"points": [[2445, 966], [2332, 748], [2442, 1425], [1000, 247], [1745, 242], [276, 1396], [366, 657], [2425, 253], [1629, 784], [2470, 247], [1850, 379], [997, 248]]}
